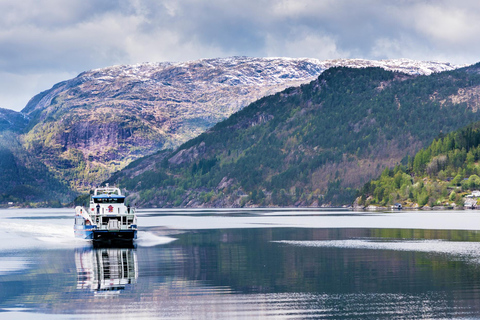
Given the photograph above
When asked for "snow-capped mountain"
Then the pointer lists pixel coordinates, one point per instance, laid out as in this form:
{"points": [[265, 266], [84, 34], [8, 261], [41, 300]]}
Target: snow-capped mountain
{"points": [[105, 118], [184, 78]]}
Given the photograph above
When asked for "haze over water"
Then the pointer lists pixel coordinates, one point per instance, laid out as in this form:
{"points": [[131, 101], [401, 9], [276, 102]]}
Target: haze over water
{"points": [[244, 264]]}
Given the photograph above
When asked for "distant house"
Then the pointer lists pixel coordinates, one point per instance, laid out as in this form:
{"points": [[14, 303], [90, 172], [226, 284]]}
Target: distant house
{"points": [[470, 204], [475, 194]]}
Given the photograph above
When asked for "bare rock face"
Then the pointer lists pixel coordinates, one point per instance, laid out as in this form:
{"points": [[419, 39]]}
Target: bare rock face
{"points": [[188, 155], [86, 128]]}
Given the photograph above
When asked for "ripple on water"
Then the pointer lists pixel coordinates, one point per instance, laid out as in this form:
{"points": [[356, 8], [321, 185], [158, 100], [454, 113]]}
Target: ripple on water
{"points": [[219, 303]]}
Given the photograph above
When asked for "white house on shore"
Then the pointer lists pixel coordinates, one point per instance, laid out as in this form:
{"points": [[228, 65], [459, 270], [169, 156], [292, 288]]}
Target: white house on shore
{"points": [[475, 194]]}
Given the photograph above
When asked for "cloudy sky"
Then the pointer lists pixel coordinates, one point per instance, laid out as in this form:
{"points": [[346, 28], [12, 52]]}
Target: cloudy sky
{"points": [[43, 42]]}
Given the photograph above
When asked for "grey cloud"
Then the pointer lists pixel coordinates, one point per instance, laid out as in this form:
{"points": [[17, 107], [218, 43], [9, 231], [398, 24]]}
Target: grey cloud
{"points": [[53, 14], [67, 37]]}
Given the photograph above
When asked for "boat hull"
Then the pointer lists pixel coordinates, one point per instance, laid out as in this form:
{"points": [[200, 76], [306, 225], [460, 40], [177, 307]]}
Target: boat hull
{"points": [[91, 233], [84, 232], [117, 235]]}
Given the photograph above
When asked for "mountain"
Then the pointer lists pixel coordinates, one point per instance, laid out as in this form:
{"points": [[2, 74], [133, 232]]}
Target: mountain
{"points": [[12, 121], [442, 174], [310, 145], [23, 177], [25, 180], [86, 128]]}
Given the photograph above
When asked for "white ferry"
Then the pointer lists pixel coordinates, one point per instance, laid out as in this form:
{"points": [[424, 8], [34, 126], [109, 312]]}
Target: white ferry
{"points": [[107, 218]]}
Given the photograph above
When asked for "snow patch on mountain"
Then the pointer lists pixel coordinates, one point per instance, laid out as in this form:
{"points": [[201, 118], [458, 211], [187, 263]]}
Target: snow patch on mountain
{"points": [[248, 71]]}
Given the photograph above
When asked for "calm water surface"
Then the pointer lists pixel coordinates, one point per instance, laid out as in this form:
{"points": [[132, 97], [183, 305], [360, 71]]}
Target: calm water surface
{"points": [[241, 264]]}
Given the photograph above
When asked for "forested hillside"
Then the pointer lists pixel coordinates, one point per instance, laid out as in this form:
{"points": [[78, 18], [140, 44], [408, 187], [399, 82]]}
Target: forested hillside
{"points": [[88, 127], [311, 145], [84, 129], [73, 136], [24, 178], [439, 175]]}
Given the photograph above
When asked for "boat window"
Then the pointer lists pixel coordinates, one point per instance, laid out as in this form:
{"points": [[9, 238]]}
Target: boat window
{"points": [[110, 191], [108, 200]]}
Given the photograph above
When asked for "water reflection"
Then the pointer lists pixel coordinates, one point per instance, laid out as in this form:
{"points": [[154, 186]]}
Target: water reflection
{"points": [[106, 269], [270, 273]]}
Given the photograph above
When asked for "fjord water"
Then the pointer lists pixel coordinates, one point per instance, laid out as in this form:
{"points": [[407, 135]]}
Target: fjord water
{"points": [[244, 264]]}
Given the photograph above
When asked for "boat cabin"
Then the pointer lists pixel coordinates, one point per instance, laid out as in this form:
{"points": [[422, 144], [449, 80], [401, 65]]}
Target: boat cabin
{"points": [[108, 210], [107, 216]]}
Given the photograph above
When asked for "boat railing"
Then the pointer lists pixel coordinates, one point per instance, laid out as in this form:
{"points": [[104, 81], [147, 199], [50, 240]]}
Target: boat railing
{"points": [[81, 211], [113, 226], [103, 210]]}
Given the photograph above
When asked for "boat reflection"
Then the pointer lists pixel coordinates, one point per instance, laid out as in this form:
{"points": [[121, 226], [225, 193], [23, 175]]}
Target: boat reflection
{"points": [[106, 270]]}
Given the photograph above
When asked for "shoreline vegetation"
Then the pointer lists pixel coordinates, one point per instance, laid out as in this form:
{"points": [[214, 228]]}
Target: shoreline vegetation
{"points": [[354, 207], [443, 175]]}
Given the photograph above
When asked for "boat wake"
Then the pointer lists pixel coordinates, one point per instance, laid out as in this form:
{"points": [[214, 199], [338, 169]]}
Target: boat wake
{"points": [[148, 239], [21, 235], [468, 250], [29, 235]]}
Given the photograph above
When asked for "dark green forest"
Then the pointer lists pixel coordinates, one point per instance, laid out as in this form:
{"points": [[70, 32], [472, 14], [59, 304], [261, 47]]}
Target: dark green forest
{"points": [[312, 145]]}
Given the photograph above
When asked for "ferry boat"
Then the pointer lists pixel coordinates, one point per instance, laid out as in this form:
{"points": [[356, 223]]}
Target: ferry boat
{"points": [[107, 218]]}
